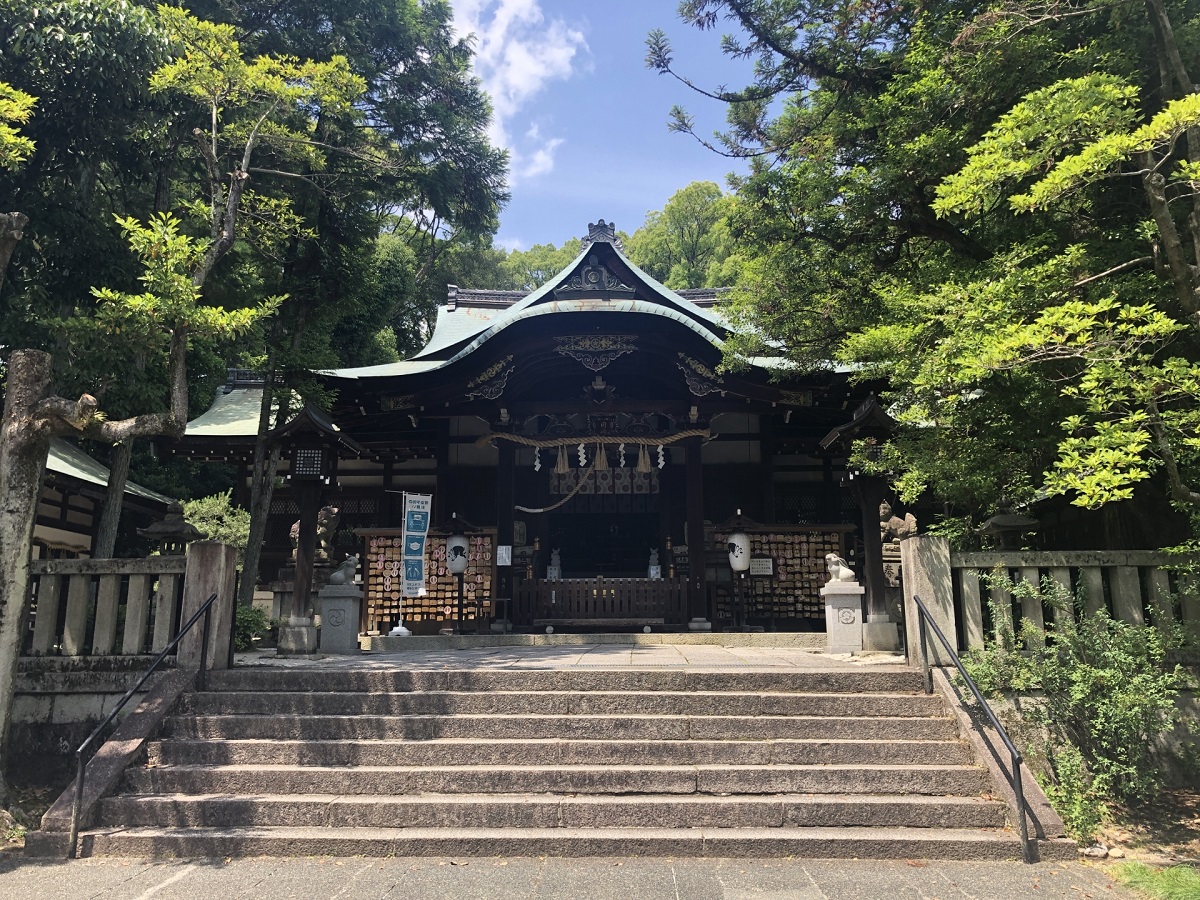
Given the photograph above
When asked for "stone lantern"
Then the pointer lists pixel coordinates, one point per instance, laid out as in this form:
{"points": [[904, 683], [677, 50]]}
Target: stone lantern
{"points": [[173, 533]]}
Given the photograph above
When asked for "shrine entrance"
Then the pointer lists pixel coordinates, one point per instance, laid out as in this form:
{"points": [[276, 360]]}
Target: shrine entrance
{"points": [[609, 544]]}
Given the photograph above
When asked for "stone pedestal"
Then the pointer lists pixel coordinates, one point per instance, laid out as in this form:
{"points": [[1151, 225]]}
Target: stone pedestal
{"points": [[211, 568], [881, 633], [843, 616], [699, 624], [339, 606], [297, 638], [926, 567]]}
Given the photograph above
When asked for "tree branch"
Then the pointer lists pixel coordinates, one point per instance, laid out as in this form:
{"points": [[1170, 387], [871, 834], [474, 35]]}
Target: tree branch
{"points": [[1180, 492], [1115, 270]]}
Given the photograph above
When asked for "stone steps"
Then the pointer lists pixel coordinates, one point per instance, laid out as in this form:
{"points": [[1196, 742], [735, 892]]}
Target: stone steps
{"points": [[563, 703], [554, 752], [378, 762], [606, 779], [500, 725], [510, 681], [550, 811], [827, 843]]}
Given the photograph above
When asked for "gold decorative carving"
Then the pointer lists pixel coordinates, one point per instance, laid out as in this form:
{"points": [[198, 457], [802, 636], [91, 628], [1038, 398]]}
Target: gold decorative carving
{"points": [[491, 382], [798, 398], [700, 378], [595, 352], [404, 401]]}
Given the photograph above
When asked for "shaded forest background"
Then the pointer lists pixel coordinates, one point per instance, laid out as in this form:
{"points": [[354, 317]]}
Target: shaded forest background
{"points": [[991, 207]]}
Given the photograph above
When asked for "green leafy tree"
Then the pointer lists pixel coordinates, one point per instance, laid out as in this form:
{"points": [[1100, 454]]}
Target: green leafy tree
{"points": [[685, 244], [169, 311], [992, 210], [528, 270], [219, 520], [15, 110]]}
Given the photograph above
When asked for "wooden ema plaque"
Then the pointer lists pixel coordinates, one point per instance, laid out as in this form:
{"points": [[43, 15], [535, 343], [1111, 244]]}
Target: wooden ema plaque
{"points": [[383, 582], [797, 557]]}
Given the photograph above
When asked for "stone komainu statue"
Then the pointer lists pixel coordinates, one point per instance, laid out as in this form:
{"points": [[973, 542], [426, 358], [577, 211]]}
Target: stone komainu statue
{"points": [[327, 523], [892, 528]]}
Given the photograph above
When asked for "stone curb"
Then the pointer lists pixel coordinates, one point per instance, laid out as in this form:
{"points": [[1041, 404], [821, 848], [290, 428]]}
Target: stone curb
{"points": [[105, 769]]}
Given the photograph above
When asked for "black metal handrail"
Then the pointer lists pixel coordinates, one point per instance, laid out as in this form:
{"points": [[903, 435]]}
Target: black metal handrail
{"points": [[204, 611], [923, 616]]}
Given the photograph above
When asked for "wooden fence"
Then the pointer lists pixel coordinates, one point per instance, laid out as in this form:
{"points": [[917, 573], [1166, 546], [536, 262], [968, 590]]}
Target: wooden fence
{"points": [[1133, 586], [600, 601], [103, 607]]}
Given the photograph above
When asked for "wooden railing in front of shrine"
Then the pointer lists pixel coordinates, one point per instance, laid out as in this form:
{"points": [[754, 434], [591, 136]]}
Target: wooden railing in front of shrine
{"points": [[600, 601]]}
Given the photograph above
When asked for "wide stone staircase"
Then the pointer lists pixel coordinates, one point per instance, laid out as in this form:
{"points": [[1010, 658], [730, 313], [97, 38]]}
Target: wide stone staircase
{"points": [[563, 763]]}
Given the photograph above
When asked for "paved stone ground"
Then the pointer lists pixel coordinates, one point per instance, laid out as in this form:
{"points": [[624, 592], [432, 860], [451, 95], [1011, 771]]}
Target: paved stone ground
{"points": [[699, 657], [578, 879]]}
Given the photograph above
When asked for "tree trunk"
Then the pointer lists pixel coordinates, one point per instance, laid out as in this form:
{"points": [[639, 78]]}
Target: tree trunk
{"points": [[262, 486], [24, 445], [110, 518], [12, 229]]}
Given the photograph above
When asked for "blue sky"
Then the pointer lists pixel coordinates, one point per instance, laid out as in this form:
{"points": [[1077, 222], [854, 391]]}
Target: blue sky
{"points": [[584, 120]]}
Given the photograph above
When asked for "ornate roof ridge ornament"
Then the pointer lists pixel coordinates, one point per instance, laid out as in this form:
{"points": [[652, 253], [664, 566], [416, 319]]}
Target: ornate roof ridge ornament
{"points": [[593, 280], [602, 231]]}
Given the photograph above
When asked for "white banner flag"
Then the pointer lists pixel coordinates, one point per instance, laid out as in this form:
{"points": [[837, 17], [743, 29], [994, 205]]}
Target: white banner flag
{"points": [[417, 508]]}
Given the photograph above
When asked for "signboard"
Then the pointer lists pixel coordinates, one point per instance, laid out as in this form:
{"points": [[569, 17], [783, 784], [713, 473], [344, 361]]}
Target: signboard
{"points": [[417, 508], [762, 565], [504, 555]]}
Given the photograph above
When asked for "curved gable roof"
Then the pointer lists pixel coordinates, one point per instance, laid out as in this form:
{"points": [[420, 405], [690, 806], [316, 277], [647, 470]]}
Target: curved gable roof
{"points": [[600, 279]]}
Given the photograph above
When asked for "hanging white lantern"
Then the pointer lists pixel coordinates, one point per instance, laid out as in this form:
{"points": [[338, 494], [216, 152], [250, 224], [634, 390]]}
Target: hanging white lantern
{"points": [[457, 547], [738, 546]]}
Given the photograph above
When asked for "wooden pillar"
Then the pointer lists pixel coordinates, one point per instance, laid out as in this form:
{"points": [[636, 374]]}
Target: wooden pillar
{"points": [[868, 491], [443, 504], [308, 498], [766, 462], [697, 580], [504, 519]]}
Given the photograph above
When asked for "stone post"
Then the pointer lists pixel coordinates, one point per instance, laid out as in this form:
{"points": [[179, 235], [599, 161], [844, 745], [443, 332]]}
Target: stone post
{"points": [[211, 567], [338, 606], [925, 572], [843, 616]]}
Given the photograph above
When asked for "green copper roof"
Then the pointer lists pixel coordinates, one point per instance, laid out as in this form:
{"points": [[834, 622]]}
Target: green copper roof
{"points": [[67, 459]]}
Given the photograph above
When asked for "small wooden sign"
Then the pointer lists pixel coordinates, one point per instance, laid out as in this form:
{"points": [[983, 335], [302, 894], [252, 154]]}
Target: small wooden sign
{"points": [[762, 566]]}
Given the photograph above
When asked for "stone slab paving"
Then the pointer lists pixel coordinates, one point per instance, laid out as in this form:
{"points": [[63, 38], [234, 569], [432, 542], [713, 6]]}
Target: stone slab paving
{"points": [[697, 657], [536, 879]]}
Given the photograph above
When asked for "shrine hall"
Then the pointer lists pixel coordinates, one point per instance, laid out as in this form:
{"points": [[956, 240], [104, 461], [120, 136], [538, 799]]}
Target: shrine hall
{"points": [[598, 449]]}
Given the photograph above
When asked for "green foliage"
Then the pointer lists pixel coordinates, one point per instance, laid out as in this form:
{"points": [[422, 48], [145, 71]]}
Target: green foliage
{"points": [[993, 214], [126, 338], [249, 623], [528, 270], [684, 245], [1106, 694], [1074, 796], [1172, 883], [15, 109], [220, 520]]}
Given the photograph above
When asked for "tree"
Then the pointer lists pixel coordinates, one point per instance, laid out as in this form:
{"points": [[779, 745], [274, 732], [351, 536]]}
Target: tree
{"points": [[169, 311], [15, 109], [1016, 309], [528, 270], [684, 245]]}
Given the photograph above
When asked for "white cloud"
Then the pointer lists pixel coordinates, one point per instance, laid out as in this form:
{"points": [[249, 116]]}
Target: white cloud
{"points": [[518, 54]]}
